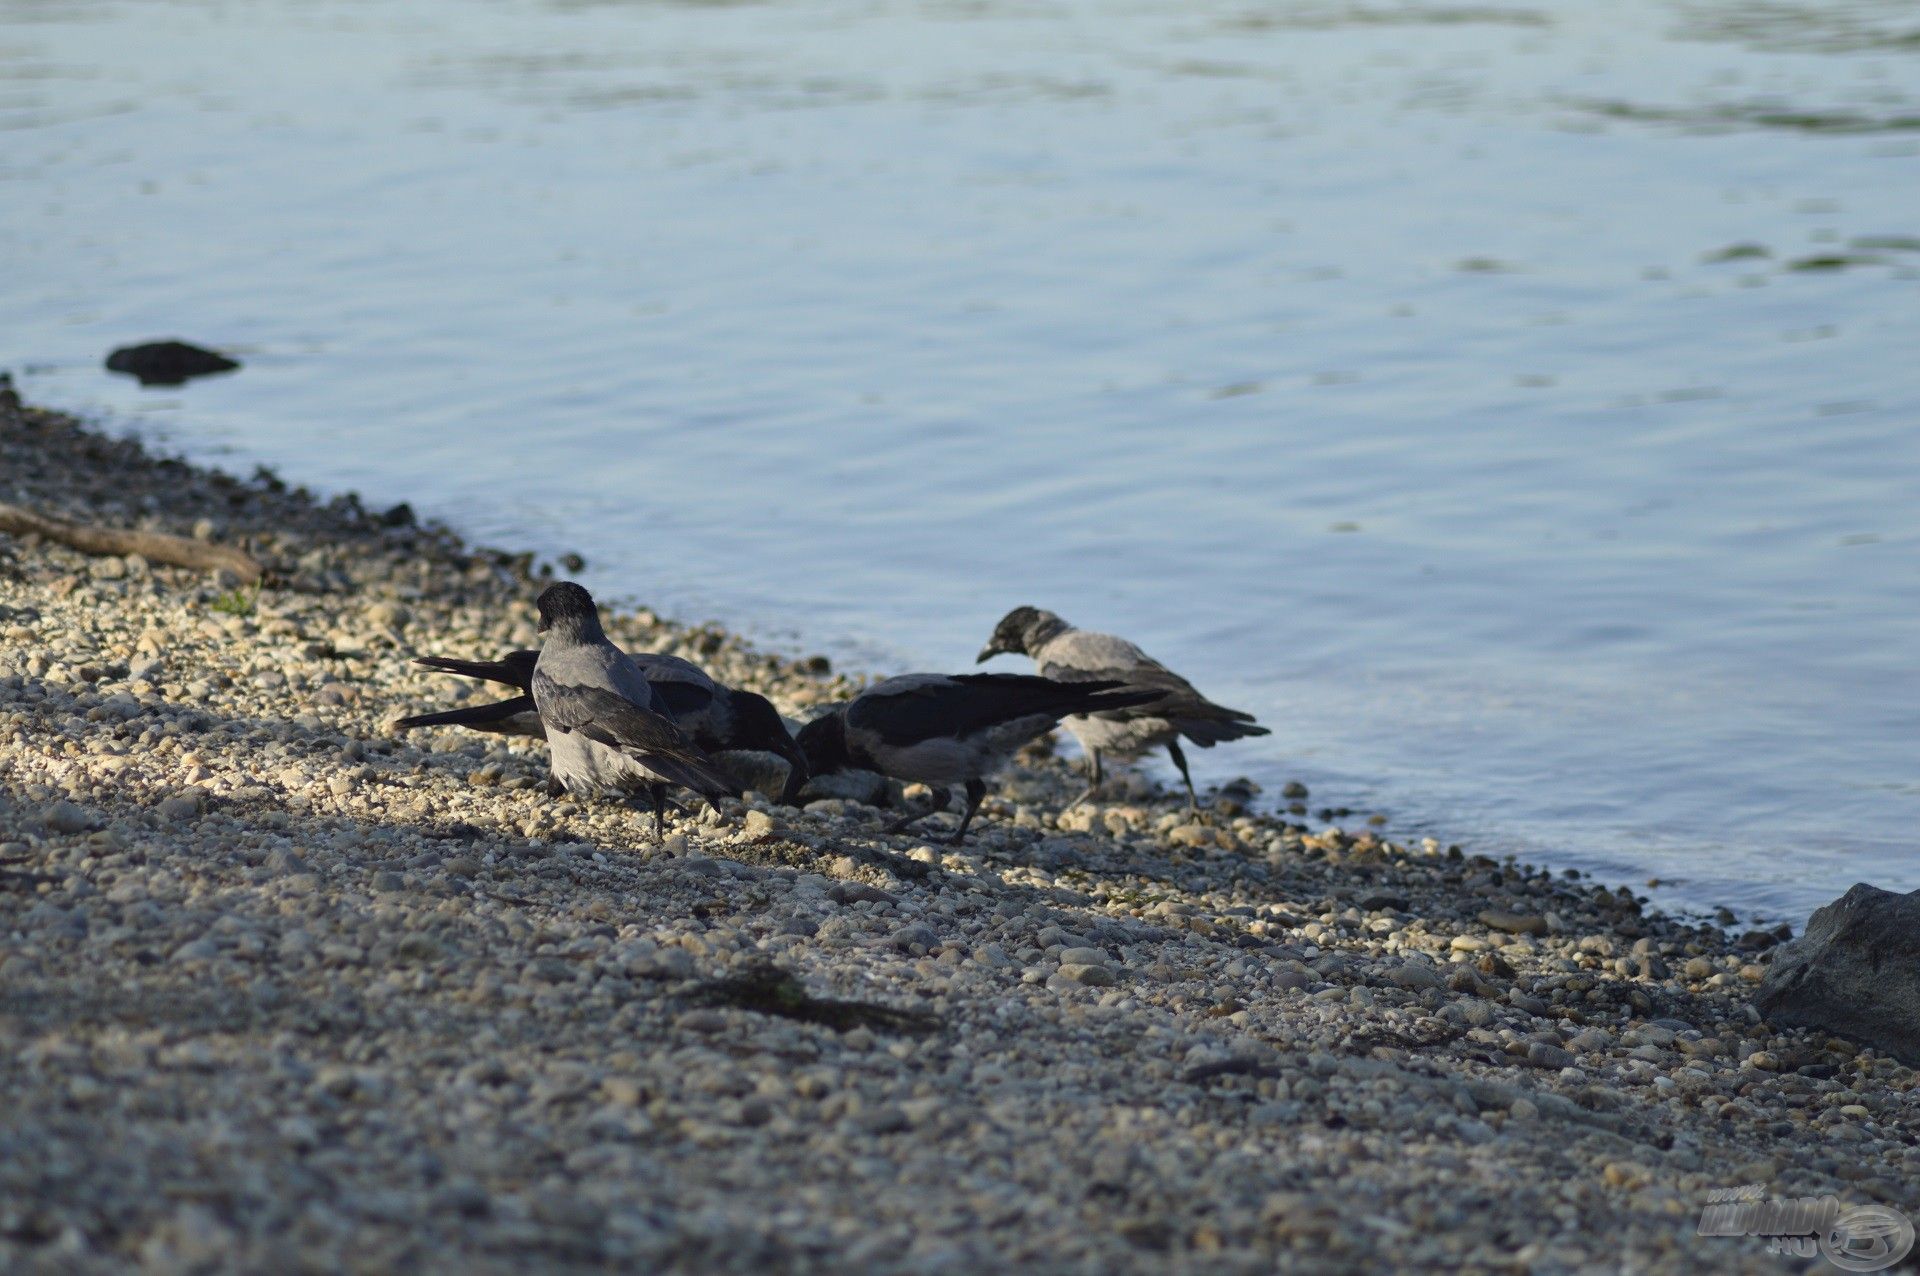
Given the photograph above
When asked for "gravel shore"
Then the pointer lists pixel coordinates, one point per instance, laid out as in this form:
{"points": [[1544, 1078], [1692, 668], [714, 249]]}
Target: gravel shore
{"points": [[282, 991]]}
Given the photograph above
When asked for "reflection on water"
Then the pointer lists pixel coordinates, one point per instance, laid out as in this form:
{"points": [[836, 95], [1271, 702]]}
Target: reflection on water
{"points": [[1511, 404], [1831, 26], [1742, 115]]}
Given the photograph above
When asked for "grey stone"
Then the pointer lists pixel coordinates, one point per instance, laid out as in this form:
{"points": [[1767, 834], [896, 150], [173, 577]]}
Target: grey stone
{"points": [[386, 615], [1093, 976], [669, 963], [1416, 976], [1513, 923], [912, 938], [181, 807], [197, 950], [1523, 1001], [1856, 972], [283, 861], [857, 892], [886, 1118], [65, 817]]}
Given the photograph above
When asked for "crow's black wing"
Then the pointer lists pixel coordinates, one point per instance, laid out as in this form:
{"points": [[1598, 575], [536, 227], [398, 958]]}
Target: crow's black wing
{"points": [[682, 699], [905, 711]]}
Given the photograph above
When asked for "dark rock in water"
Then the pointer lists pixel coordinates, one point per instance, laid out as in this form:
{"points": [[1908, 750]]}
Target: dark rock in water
{"points": [[1855, 972], [168, 362], [1755, 940]]}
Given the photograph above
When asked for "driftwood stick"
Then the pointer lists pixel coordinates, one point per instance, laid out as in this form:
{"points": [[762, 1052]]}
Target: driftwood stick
{"points": [[158, 547]]}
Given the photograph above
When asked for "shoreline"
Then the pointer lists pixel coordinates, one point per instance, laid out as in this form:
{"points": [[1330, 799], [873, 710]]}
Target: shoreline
{"points": [[281, 988], [1343, 793]]}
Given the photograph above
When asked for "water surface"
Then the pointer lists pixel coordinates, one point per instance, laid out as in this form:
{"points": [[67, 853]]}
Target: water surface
{"points": [[1513, 405]]}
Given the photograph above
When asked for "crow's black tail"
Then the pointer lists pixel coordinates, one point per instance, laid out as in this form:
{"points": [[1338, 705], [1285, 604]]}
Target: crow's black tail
{"points": [[508, 717], [514, 671]]}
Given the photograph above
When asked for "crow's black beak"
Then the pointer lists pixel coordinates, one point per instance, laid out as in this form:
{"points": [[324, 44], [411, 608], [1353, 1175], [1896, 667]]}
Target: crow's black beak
{"points": [[797, 777], [987, 653], [543, 626]]}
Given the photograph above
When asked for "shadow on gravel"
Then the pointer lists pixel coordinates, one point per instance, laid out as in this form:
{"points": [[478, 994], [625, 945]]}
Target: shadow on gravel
{"points": [[764, 987]]}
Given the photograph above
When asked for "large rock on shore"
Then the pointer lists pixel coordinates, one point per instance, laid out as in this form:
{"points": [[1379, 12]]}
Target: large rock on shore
{"points": [[1855, 972], [168, 362]]}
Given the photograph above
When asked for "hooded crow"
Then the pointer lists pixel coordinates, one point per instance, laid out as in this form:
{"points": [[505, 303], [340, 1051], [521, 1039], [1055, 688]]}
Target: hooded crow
{"points": [[942, 730], [1075, 655], [607, 728], [716, 716], [516, 716], [719, 717]]}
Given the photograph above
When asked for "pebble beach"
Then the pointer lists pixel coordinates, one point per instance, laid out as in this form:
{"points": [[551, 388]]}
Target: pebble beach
{"points": [[283, 990]]}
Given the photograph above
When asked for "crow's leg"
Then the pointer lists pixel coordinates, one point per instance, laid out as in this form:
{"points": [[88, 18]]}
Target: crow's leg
{"points": [[976, 794], [658, 792], [554, 787], [1093, 780], [941, 796], [1180, 760]]}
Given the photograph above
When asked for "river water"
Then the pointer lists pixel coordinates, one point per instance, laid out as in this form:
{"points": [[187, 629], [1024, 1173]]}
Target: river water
{"points": [[1514, 405]]}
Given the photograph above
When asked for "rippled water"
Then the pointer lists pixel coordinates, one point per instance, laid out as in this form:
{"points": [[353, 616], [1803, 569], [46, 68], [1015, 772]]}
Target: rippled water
{"points": [[1514, 405]]}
